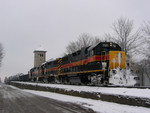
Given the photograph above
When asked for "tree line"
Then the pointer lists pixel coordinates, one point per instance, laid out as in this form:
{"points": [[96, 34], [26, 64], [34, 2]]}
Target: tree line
{"points": [[1, 53]]}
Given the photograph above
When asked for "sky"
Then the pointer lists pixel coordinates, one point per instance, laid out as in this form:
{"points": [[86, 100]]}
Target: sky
{"points": [[27, 24]]}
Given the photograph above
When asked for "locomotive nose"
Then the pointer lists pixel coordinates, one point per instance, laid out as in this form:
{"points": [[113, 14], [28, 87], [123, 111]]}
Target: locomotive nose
{"points": [[116, 59]]}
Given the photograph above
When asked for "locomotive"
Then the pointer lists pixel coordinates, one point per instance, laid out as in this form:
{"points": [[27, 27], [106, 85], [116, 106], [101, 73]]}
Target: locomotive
{"points": [[90, 65]]}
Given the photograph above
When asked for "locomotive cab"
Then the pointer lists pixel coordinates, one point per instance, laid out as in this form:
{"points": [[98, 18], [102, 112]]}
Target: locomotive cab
{"points": [[106, 56]]}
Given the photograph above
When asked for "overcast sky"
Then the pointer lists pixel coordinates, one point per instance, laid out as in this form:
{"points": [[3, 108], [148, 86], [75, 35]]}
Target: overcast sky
{"points": [[27, 24]]}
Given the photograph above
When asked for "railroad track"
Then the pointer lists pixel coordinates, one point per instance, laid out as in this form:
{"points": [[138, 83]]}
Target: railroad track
{"points": [[139, 87], [117, 86], [111, 86]]}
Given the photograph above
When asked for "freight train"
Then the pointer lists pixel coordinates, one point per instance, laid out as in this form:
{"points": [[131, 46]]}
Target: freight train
{"points": [[90, 65], [18, 77]]}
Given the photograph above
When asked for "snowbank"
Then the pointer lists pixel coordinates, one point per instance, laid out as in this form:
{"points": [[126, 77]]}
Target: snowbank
{"points": [[96, 105], [134, 92], [135, 97]]}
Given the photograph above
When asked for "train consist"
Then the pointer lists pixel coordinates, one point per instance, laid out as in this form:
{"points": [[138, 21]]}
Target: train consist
{"points": [[100, 64], [90, 65], [18, 77]]}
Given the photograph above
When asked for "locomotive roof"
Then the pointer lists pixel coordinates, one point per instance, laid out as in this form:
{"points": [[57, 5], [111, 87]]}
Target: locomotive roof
{"points": [[93, 46], [50, 60]]}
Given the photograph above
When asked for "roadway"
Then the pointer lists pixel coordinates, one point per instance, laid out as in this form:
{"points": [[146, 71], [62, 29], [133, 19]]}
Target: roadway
{"points": [[17, 101]]}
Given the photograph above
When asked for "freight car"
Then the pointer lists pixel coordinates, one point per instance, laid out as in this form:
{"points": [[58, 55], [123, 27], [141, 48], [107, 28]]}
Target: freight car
{"points": [[18, 77], [90, 65]]}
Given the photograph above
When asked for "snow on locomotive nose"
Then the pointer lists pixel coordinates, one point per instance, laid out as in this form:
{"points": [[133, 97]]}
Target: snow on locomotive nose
{"points": [[117, 59], [119, 75]]}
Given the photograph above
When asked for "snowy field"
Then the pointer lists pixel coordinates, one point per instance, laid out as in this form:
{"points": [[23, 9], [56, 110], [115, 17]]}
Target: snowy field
{"points": [[143, 93], [96, 105]]}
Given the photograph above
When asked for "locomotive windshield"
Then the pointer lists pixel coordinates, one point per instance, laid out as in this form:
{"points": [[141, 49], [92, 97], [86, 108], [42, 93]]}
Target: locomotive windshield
{"points": [[105, 46], [110, 47]]}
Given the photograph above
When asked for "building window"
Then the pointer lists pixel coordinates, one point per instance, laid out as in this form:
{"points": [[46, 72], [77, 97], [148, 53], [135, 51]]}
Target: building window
{"points": [[41, 55]]}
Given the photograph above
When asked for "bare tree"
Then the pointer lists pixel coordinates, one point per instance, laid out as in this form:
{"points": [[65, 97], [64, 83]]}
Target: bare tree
{"points": [[145, 50], [124, 35], [84, 40], [143, 66], [146, 36], [1, 53], [143, 70], [146, 29], [108, 37], [147, 68]]}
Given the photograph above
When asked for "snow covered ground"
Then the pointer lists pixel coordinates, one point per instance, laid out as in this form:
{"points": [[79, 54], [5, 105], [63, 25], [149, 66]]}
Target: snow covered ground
{"points": [[96, 105], [143, 93]]}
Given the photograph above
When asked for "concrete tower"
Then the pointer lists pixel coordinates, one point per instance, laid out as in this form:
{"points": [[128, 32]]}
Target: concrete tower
{"points": [[39, 56]]}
